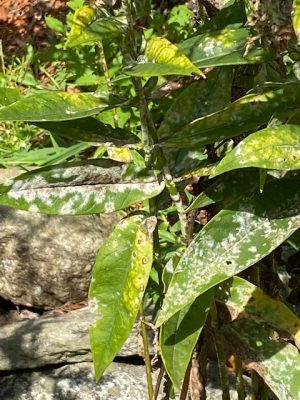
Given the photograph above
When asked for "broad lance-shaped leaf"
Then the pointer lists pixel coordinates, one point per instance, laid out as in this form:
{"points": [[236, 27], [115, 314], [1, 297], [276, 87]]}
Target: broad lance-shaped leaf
{"points": [[166, 59], [247, 113], [97, 186], [276, 362], [179, 335], [120, 276], [246, 300], [296, 18], [200, 98], [86, 28], [8, 96], [225, 47], [232, 186], [232, 241], [90, 130], [273, 148], [56, 106]]}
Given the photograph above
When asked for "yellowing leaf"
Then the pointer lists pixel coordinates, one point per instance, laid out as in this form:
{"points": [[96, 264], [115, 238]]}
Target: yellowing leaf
{"points": [[78, 34], [296, 18]]}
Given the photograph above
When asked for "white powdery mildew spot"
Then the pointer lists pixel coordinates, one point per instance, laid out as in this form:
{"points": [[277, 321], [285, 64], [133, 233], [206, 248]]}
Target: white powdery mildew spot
{"points": [[109, 207], [253, 249], [33, 208]]}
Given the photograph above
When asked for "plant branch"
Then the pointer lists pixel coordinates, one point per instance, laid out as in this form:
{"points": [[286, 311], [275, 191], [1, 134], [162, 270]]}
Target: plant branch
{"points": [[146, 355]]}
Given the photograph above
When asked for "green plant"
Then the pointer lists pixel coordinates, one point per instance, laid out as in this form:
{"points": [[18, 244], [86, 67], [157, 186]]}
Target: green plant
{"points": [[230, 131]]}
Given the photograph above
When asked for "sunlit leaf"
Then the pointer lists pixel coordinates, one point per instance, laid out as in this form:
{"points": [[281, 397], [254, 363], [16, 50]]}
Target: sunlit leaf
{"points": [[246, 300], [296, 18], [247, 113], [273, 148], [179, 335], [199, 99], [90, 130], [165, 59], [278, 363], [120, 276], [233, 240], [225, 47], [90, 187], [87, 28], [54, 106], [8, 96]]}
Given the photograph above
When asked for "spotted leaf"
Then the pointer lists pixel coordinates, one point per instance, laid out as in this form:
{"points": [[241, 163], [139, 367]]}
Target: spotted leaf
{"points": [[247, 113], [232, 241], [278, 363], [120, 276], [8, 96], [273, 148], [97, 186]]}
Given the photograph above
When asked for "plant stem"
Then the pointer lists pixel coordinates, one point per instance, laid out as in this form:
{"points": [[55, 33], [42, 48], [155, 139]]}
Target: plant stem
{"points": [[158, 382], [239, 378], [146, 356], [185, 384], [220, 351]]}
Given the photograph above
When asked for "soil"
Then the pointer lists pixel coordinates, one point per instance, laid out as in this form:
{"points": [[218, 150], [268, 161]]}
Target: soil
{"points": [[23, 21]]}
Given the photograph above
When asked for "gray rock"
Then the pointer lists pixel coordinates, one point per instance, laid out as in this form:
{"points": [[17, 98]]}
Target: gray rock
{"points": [[47, 341], [46, 261]]}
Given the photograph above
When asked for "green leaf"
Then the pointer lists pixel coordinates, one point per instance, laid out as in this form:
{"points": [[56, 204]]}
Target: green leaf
{"points": [[87, 29], [179, 335], [246, 300], [120, 276], [233, 240], [276, 362], [227, 189], [166, 60], [199, 99], [296, 18], [55, 24], [90, 130], [54, 106], [90, 187], [8, 96], [273, 148], [247, 113], [225, 47]]}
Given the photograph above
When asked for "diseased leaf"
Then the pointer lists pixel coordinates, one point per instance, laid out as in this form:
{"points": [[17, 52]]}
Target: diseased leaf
{"points": [[179, 335], [96, 186], [227, 189], [277, 363], [246, 300], [90, 130], [165, 59], [8, 96], [296, 18], [120, 276], [247, 113], [55, 106], [273, 148], [86, 28], [233, 240], [199, 99], [224, 47]]}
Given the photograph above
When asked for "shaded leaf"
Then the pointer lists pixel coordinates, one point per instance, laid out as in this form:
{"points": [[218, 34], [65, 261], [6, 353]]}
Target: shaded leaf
{"points": [[233, 240], [277, 363], [273, 148], [225, 47], [90, 187], [120, 276], [179, 335], [55, 106], [90, 130], [227, 189], [165, 59], [247, 113], [296, 18], [199, 99], [246, 300], [8, 96]]}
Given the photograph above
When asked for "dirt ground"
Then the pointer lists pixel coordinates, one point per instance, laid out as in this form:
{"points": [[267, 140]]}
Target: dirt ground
{"points": [[22, 21]]}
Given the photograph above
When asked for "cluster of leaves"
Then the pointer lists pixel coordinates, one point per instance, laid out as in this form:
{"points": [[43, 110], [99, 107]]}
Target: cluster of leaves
{"points": [[219, 112]]}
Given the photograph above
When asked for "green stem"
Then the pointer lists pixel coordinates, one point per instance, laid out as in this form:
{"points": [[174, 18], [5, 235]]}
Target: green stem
{"points": [[147, 356], [239, 378], [220, 351]]}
